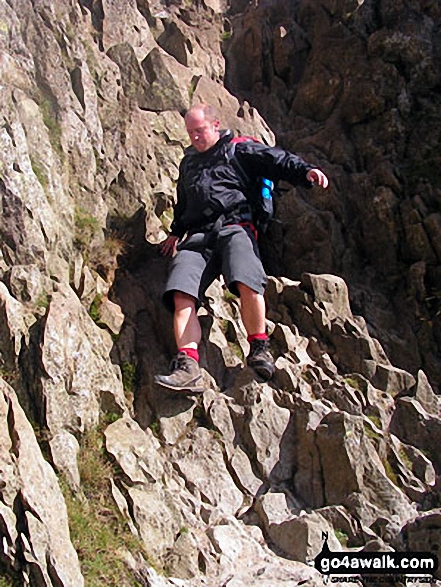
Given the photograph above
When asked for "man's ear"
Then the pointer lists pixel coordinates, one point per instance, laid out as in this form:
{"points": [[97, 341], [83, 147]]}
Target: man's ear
{"points": [[216, 124]]}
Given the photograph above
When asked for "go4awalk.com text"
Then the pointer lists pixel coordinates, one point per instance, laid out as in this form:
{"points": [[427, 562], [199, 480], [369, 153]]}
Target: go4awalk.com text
{"points": [[388, 568], [328, 563]]}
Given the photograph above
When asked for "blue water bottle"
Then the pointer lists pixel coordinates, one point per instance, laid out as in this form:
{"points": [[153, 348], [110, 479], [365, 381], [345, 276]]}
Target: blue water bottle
{"points": [[267, 188]]}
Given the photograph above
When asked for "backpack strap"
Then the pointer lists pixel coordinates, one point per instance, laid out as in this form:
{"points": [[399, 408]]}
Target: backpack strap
{"points": [[232, 159], [260, 192]]}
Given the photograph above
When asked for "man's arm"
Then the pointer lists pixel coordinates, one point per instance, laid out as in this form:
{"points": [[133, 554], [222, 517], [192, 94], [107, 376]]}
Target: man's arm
{"points": [[277, 164]]}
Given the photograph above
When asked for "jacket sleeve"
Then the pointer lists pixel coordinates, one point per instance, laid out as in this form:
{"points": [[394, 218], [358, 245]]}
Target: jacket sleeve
{"points": [[177, 228], [274, 163]]}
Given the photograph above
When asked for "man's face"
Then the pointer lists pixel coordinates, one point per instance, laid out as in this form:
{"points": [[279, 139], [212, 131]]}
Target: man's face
{"points": [[203, 133]]}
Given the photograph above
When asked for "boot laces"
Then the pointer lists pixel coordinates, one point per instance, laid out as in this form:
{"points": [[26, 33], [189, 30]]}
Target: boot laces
{"points": [[258, 345], [180, 362]]}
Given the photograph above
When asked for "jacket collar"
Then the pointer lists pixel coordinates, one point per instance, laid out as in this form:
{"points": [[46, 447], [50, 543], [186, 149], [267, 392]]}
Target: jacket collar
{"points": [[225, 137]]}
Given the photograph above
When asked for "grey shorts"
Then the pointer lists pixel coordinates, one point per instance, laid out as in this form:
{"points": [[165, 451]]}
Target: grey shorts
{"points": [[233, 252]]}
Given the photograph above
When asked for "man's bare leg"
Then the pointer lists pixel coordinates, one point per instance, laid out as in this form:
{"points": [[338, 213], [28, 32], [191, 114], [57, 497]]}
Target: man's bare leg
{"points": [[186, 322], [185, 372], [252, 309], [253, 313]]}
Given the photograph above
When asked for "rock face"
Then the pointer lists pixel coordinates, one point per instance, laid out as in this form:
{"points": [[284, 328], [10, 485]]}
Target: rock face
{"points": [[355, 86], [33, 513], [238, 487]]}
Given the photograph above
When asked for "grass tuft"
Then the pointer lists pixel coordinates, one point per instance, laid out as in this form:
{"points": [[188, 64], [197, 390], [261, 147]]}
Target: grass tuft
{"points": [[99, 533], [86, 227]]}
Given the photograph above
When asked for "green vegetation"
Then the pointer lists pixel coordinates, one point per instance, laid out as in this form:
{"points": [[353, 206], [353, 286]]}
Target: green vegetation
{"points": [[43, 300], [353, 382], [237, 350], [104, 256], [7, 581], [4, 27], [166, 219], [50, 120], [84, 220], [86, 226], [114, 246], [115, 337], [406, 460], [390, 473], [227, 328], [224, 325], [372, 434], [342, 537], [99, 534], [376, 420], [9, 375], [39, 172], [69, 31], [155, 427], [94, 309], [92, 62], [228, 296], [128, 371], [111, 417]]}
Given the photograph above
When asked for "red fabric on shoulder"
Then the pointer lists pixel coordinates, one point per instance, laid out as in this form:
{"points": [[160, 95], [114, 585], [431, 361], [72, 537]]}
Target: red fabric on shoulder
{"points": [[244, 139]]}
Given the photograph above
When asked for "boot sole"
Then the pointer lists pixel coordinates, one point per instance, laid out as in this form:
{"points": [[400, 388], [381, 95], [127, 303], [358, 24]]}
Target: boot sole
{"points": [[188, 389]]}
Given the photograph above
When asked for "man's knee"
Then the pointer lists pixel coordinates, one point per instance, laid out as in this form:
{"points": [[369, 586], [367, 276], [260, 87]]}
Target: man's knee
{"points": [[245, 291]]}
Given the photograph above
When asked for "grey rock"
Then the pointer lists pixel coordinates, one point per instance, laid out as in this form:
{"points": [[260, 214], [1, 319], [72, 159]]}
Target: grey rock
{"points": [[296, 534], [91, 136], [36, 531], [79, 380], [64, 449]]}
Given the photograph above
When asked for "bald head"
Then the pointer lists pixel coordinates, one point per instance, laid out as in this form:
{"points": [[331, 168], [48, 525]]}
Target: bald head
{"points": [[202, 124], [206, 110]]}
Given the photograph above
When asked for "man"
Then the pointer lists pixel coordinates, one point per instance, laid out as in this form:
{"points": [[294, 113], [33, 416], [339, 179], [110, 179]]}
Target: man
{"points": [[213, 213]]}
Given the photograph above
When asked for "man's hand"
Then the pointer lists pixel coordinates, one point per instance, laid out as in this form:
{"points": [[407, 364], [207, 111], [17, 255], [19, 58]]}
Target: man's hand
{"points": [[168, 247], [318, 177]]}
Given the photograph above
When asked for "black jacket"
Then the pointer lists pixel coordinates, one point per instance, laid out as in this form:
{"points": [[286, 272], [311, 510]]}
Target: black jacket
{"points": [[209, 185]]}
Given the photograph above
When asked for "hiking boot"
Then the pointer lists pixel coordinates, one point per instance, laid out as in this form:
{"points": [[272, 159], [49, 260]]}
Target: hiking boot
{"points": [[260, 359], [184, 376]]}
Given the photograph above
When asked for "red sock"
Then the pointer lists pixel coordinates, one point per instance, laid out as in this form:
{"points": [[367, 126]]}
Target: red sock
{"points": [[257, 336], [192, 353]]}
